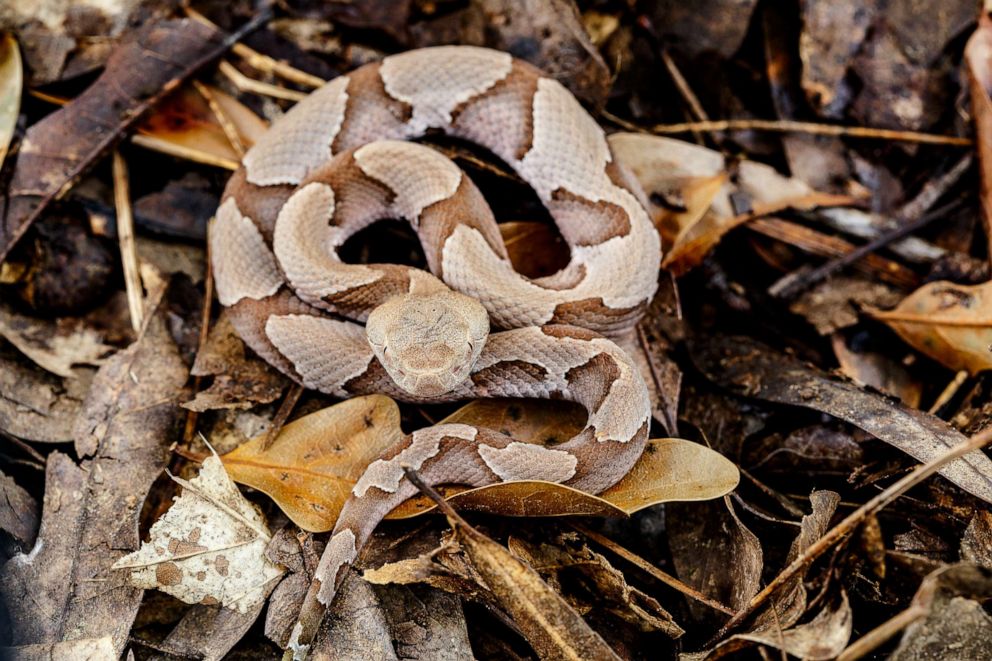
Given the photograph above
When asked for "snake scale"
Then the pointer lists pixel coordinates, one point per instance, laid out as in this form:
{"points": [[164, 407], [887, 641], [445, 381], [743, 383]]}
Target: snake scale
{"points": [[342, 159]]}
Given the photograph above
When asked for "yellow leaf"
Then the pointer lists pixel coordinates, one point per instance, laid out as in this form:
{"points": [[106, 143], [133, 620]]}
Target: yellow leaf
{"points": [[11, 83]]}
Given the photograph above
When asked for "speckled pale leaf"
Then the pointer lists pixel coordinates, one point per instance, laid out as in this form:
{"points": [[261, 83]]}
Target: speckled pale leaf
{"points": [[209, 548]]}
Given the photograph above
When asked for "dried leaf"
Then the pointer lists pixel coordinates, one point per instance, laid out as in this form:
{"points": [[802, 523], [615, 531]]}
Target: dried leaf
{"points": [[184, 125], [64, 587], [952, 623], [715, 553], [63, 146], [565, 563], [209, 632], [240, 380], [314, 462], [950, 323], [535, 249], [78, 648], [11, 82], [698, 177], [820, 639], [18, 511], [976, 544], [755, 370], [209, 548], [56, 348], [551, 626], [38, 406]]}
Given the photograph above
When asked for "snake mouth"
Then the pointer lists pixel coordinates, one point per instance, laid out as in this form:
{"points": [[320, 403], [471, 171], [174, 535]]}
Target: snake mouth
{"points": [[428, 372]]}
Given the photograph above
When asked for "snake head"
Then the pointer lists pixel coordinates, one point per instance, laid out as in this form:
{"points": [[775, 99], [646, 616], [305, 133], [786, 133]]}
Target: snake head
{"points": [[428, 343]]}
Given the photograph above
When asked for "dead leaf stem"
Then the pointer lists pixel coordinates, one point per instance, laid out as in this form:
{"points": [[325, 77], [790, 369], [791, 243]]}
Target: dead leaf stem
{"points": [[125, 235]]}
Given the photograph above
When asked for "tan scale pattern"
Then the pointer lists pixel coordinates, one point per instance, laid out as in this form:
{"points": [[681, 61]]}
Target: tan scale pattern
{"points": [[525, 461], [326, 352], [251, 270]]}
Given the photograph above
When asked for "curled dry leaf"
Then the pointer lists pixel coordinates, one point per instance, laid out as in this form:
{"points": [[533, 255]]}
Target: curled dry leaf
{"points": [[950, 323], [11, 82], [209, 548], [314, 462], [755, 370], [696, 178], [36, 405]]}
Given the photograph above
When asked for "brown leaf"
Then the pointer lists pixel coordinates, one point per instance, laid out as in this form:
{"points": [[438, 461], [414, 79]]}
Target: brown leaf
{"points": [[240, 380], [53, 347], [38, 406], [64, 587], [952, 623], [18, 511], [314, 462], [184, 125], [976, 544], [604, 587], [715, 553], [551, 626], [755, 370], [63, 146], [950, 323], [698, 178], [11, 82], [878, 371], [77, 648], [820, 639], [536, 250]]}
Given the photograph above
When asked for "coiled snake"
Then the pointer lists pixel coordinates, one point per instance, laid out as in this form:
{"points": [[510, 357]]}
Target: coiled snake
{"points": [[339, 161]]}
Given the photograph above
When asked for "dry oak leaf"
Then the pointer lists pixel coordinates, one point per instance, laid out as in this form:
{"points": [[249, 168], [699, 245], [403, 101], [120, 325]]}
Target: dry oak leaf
{"points": [[11, 84], [311, 467], [696, 179], [209, 548], [978, 60], [950, 323]]}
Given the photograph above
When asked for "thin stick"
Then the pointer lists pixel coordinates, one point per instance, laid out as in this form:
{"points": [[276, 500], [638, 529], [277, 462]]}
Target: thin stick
{"points": [[850, 524], [646, 566], [125, 238], [789, 126], [247, 84], [230, 131], [285, 409], [949, 391], [881, 633], [262, 62]]}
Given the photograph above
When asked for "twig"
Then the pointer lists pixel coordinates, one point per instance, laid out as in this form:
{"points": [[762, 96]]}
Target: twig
{"points": [[646, 566], [285, 409], [225, 122], [881, 633], [850, 524], [795, 283], [949, 390], [125, 238], [247, 84], [260, 61], [789, 126]]}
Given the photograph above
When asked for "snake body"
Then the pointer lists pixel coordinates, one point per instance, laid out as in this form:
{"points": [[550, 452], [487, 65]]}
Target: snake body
{"points": [[339, 161]]}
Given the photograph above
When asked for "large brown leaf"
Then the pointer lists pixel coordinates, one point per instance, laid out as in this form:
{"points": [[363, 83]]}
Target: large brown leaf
{"points": [[978, 60], [313, 463], [950, 323]]}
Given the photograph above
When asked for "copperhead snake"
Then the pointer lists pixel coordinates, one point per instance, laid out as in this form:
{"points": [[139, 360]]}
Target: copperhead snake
{"points": [[339, 161]]}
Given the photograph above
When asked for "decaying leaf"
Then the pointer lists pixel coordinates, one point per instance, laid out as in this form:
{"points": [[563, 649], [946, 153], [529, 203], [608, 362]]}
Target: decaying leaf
{"points": [[78, 648], [63, 146], [18, 511], [697, 177], [976, 544], [36, 405], [549, 623], [209, 548], [54, 347], [950, 323], [314, 462], [240, 380], [565, 562], [64, 588], [11, 82], [755, 370], [820, 639]]}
